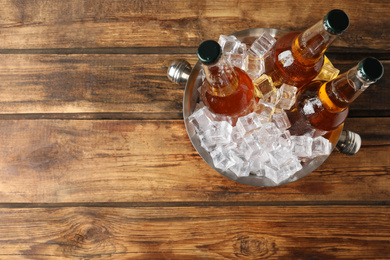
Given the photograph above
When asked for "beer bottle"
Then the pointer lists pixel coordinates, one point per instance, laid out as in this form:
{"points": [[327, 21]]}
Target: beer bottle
{"points": [[297, 57], [325, 105], [226, 90]]}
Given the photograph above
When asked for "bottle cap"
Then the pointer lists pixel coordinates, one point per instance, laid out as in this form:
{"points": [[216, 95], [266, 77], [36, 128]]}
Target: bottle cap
{"points": [[371, 69], [336, 21], [209, 52]]}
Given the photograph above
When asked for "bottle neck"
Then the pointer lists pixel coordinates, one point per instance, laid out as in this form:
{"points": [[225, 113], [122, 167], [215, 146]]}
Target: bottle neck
{"points": [[221, 78], [339, 93], [309, 46]]}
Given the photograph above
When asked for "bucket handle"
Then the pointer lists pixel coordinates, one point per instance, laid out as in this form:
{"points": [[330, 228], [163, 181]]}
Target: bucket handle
{"points": [[179, 71]]}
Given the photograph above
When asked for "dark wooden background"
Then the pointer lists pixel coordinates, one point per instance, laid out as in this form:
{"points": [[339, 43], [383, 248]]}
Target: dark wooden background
{"points": [[95, 162]]}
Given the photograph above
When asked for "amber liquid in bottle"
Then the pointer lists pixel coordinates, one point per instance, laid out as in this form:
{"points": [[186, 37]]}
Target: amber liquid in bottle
{"points": [[302, 70], [316, 105], [238, 97], [325, 105]]}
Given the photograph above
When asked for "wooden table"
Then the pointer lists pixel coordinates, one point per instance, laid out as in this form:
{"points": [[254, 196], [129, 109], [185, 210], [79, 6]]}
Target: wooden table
{"points": [[95, 161]]}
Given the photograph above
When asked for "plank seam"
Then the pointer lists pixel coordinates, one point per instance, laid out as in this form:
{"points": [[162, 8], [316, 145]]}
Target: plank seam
{"points": [[195, 204]]}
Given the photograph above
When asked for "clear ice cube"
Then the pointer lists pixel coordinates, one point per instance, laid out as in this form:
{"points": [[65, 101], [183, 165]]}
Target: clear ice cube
{"points": [[255, 66], [290, 169], [241, 150], [236, 135], [228, 43], [279, 175], [272, 129], [268, 137], [262, 44], [257, 168], [238, 56], [221, 133], [241, 168], [265, 111], [206, 141], [221, 158], [275, 97], [248, 123], [281, 120], [287, 97], [237, 60], [302, 146], [254, 147], [271, 173], [281, 157], [321, 146], [285, 139], [202, 119]]}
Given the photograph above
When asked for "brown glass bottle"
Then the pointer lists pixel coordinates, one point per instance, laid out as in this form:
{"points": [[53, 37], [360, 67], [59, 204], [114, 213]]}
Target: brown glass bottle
{"points": [[225, 90], [297, 57], [325, 105]]}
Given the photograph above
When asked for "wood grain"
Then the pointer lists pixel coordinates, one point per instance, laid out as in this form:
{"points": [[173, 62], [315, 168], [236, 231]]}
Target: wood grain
{"points": [[133, 86], [72, 24], [313, 232], [78, 161]]}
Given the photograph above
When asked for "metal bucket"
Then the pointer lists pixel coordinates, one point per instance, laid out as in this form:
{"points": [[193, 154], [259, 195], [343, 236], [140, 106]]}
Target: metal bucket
{"points": [[180, 72]]}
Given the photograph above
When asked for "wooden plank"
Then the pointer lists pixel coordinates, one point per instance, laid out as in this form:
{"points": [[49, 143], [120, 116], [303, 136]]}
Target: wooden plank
{"points": [[90, 24], [82, 161], [338, 232], [134, 86]]}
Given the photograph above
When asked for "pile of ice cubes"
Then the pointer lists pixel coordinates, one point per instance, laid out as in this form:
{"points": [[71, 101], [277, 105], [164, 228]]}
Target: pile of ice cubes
{"points": [[259, 143]]}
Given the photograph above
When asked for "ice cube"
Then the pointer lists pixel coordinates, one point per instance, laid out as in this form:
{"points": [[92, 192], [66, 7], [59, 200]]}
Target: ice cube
{"points": [[202, 119], [265, 85], [272, 129], [255, 66], [228, 43], [275, 97], [265, 111], [257, 168], [281, 120], [268, 137], [281, 157], [262, 44], [254, 147], [328, 71], [206, 141], [271, 173], [279, 175], [241, 150], [221, 158], [238, 60], [302, 146], [321, 146], [288, 96], [221, 133], [290, 169], [285, 139], [248, 123], [238, 56], [286, 58], [241, 168], [236, 135]]}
